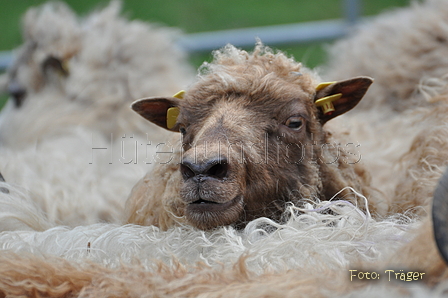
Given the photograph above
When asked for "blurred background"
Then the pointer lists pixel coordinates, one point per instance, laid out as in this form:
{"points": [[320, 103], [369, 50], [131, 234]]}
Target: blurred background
{"points": [[196, 16]]}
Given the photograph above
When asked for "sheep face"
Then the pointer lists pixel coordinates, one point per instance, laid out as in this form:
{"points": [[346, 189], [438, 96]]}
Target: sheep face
{"points": [[31, 71], [241, 160], [250, 142], [52, 36]]}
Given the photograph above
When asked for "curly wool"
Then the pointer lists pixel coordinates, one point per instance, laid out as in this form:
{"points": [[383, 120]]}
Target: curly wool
{"points": [[413, 50], [401, 122], [110, 61], [52, 143], [234, 67], [313, 246]]}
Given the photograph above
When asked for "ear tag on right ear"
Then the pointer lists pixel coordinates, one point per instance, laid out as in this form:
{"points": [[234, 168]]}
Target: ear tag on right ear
{"points": [[323, 85], [179, 94], [326, 103], [171, 117]]}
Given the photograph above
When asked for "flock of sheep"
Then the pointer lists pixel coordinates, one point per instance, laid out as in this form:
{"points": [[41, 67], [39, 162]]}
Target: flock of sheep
{"points": [[259, 180]]}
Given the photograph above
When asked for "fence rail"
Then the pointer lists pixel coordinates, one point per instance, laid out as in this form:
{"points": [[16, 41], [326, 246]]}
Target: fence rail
{"points": [[272, 35]]}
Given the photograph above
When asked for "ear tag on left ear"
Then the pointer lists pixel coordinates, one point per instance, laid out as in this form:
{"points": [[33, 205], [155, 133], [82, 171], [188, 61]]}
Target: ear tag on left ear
{"points": [[326, 103], [65, 68], [171, 117], [173, 113]]}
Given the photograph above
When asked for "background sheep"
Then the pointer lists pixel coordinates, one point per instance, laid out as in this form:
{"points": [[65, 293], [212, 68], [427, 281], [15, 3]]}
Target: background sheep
{"points": [[67, 73], [411, 98], [400, 123], [411, 52], [71, 86]]}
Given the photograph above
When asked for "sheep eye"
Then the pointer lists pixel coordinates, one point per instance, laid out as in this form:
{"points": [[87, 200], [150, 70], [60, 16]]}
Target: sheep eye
{"points": [[182, 130], [294, 122]]}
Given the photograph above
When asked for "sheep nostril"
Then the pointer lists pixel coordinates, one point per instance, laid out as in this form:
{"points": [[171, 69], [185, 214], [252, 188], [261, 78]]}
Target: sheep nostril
{"points": [[18, 94], [218, 170], [186, 171], [214, 168], [19, 98]]}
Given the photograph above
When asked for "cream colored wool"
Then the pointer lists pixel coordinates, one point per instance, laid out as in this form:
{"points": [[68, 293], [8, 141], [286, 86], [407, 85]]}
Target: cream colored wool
{"points": [[111, 62], [269, 244], [406, 149], [48, 144], [69, 189], [309, 255], [19, 211], [405, 52], [399, 49]]}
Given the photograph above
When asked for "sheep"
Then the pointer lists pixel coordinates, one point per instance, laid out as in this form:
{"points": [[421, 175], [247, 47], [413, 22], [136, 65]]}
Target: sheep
{"points": [[71, 85], [411, 98], [409, 95], [66, 73], [411, 52], [252, 140]]}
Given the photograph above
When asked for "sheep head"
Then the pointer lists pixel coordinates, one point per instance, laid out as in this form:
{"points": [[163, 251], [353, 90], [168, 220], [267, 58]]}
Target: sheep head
{"points": [[51, 37], [252, 137]]}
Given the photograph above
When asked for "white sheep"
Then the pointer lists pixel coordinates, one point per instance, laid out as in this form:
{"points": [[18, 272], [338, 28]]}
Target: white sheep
{"points": [[71, 85], [85, 72], [404, 108]]}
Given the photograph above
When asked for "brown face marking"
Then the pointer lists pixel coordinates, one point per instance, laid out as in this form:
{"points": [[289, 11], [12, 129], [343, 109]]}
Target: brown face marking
{"points": [[245, 155]]}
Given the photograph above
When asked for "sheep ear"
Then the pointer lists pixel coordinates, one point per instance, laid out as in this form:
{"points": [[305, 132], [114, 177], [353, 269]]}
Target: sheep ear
{"points": [[162, 111], [336, 98], [55, 64]]}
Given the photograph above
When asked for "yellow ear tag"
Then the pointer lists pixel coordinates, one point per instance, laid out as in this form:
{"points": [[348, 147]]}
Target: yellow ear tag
{"points": [[323, 85], [179, 94], [171, 117], [173, 113], [326, 103], [65, 67]]}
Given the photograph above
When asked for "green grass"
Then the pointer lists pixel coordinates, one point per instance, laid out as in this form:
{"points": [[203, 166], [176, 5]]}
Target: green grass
{"points": [[3, 100], [201, 15]]}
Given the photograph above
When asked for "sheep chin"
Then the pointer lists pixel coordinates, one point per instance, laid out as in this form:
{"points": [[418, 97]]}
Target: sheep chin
{"points": [[206, 216]]}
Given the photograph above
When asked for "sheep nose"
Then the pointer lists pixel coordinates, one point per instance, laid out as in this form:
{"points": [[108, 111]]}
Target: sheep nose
{"points": [[17, 92], [215, 168]]}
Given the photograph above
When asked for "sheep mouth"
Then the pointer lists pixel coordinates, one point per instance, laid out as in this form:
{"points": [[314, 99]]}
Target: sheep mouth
{"points": [[207, 214], [201, 201], [202, 205]]}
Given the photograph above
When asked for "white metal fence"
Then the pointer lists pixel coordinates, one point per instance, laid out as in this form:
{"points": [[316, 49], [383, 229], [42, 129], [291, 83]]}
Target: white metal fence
{"points": [[271, 35]]}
